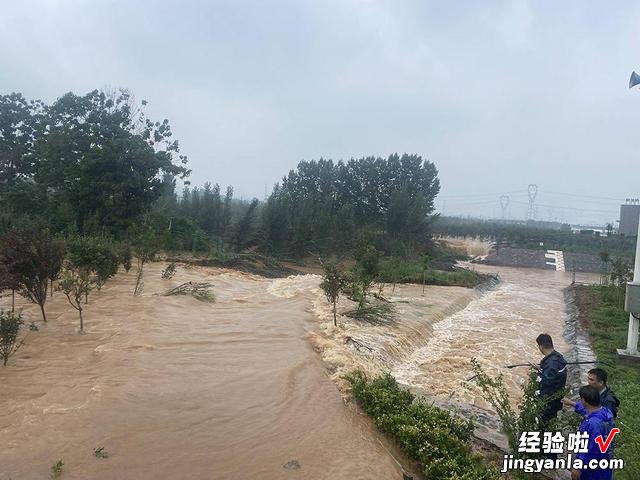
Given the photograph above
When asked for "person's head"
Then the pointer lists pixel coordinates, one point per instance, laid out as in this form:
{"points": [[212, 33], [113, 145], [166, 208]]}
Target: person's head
{"points": [[590, 397], [545, 343], [597, 377]]}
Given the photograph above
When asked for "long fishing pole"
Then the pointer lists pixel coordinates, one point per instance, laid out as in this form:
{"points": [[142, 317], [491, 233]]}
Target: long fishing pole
{"points": [[568, 363]]}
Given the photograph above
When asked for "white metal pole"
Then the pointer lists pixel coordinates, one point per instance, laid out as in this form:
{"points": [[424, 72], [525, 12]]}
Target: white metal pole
{"points": [[632, 339]]}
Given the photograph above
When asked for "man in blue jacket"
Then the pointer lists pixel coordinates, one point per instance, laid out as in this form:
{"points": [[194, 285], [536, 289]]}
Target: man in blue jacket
{"points": [[552, 377], [598, 422]]}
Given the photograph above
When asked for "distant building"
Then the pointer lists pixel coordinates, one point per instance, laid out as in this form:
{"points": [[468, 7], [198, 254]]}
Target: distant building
{"points": [[629, 215]]}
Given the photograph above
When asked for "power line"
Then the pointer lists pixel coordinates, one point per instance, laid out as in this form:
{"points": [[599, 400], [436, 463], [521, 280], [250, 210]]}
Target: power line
{"points": [[582, 196], [472, 202], [469, 195], [608, 212]]}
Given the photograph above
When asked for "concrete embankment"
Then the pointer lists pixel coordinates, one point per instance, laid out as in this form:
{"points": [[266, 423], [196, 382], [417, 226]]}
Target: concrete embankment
{"points": [[543, 259]]}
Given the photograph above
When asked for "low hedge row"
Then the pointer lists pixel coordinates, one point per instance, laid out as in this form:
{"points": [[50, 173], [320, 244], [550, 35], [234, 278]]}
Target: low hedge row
{"points": [[439, 441]]}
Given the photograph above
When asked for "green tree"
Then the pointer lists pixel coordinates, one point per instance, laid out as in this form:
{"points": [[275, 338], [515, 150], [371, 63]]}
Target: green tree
{"points": [[125, 256], [104, 157], [621, 272], [345, 227], [33, 256], [20, 125], [604, 258], [426, 261], [94, 257], [366, 270], [333, 283], [76, 284], [145, 248], [9, 281], [276, 223], [10, 324], [225, 221], [244, 228], [393, 195]]}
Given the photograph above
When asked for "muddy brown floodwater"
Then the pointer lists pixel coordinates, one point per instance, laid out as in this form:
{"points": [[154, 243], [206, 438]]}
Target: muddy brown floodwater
{"points": [[175, 388], [498, 328]]}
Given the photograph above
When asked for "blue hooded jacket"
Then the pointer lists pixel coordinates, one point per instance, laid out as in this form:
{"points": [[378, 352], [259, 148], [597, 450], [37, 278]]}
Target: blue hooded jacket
{"points": [[598, 422], [607, 399]]}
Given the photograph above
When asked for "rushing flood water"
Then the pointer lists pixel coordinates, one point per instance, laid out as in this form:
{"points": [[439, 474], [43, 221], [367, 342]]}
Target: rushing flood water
{"points": [[176, 388], [431, 347]]}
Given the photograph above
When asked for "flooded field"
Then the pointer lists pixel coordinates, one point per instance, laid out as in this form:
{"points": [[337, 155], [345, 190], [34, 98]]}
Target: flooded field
{"points": [[176, 388]]}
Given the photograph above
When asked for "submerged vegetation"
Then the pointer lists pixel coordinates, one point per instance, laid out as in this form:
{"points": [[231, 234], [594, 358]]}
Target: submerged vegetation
{"points": [[395, 270], [10, 324]]}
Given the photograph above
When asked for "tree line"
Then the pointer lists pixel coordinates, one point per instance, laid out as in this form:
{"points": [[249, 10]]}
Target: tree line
{"points": [[88, 183], [324, 205], [96, 165]]}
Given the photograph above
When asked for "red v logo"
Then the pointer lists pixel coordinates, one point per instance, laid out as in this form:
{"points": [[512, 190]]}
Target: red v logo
{"points": [[604, 445]]}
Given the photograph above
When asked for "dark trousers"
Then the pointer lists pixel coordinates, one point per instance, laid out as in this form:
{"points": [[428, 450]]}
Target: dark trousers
{"points": [[550, 412]]}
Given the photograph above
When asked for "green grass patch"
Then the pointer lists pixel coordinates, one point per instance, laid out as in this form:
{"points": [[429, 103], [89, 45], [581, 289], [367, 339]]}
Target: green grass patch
{"points": [[601, 310], [439, 441], [377, 313], [395, 270]]}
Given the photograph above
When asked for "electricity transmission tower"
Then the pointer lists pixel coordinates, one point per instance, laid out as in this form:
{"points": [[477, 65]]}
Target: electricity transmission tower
{"points": [[533, 192], [504, 203]]}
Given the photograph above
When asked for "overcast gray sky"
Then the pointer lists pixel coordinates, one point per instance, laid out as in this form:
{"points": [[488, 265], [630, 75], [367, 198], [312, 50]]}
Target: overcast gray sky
{"points": [[498, 94]]}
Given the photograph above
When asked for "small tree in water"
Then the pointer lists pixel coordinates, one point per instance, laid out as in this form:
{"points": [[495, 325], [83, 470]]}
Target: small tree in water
{"points": [[9, 281], [125, 255], [33, 257], [366, 270], [146, 249], [426, 260], [332, 285], [92, 257], [76, 285], [10, 324]]}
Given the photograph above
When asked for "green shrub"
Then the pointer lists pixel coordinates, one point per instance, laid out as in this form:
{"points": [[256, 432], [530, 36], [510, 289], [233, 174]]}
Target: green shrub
{"points": [[94, 256], [56, 469], [100, 452], [439, 441], [10, 323], [125, 256]]}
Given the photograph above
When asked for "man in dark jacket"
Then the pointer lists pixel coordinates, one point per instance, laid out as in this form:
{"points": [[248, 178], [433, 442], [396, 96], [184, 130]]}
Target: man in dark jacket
{"points": [[597, 378], [552, 377]]}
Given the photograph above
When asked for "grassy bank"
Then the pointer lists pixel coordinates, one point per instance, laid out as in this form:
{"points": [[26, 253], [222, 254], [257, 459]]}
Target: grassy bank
{"points": [[439, 441], [394, 270], [600, 312]]}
